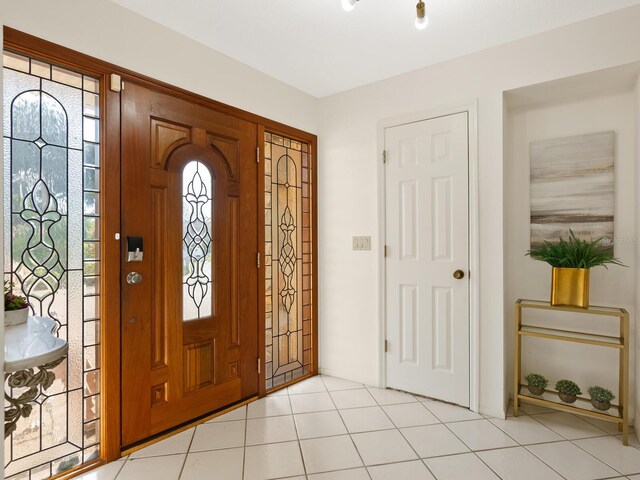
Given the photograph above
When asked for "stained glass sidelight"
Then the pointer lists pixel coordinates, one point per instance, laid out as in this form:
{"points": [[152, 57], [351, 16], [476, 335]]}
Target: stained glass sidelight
{"points": [[196, 241], [288, 266], [52, 253]]}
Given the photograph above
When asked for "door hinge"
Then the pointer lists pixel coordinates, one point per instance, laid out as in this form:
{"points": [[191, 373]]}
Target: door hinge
{"points": [[384, 156], [386, 346], [116, 83], [385, 251], [257, 154], [259, 366], [258, 260]]}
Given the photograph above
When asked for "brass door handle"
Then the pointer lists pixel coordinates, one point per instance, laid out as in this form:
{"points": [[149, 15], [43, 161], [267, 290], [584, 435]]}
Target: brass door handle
{"points": [[458, 274]]}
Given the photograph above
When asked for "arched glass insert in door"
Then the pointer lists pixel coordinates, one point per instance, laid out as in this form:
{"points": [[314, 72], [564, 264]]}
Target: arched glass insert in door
{"points": [[197, 241], [288, 259], [51, 166]]}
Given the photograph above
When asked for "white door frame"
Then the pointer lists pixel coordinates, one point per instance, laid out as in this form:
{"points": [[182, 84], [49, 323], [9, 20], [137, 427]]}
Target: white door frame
{"points": [[471, 108]]}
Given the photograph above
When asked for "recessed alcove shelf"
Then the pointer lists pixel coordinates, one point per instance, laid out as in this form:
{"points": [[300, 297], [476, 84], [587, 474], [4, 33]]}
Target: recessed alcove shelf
{"points": [[599, 101]]}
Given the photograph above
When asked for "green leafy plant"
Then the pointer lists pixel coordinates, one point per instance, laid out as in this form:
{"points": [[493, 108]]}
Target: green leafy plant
{"points": [[568, 387], [11, 301], [537, 380], [600, 394], [575, 253]]}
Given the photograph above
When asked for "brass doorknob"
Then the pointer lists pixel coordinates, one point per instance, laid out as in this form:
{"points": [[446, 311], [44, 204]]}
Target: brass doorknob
{"points": [[458, 274]]}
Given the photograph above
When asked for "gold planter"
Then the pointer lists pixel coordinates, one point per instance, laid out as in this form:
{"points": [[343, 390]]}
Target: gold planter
{"points": [[570, 287]]}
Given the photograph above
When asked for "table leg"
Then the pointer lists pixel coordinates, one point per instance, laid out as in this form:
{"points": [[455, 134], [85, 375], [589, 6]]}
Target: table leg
{"points": [[516, 363]]}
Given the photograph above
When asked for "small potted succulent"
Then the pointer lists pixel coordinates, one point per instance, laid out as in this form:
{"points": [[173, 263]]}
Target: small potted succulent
{"points": [[601, 397], [536, 383], [568, 391], [16, 307]]}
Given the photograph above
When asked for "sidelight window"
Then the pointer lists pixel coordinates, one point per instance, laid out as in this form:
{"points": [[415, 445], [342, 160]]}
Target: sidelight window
{"points": [[51, 135], [288, 265]]}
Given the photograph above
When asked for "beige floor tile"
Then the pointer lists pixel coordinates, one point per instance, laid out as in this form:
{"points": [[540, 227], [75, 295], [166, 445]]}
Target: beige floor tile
{"points": [[214, 436], [433, 441], [319, 424], [156, 468], [569, 426], [329, 453], [216, 465], [610, 450], [414, 470], [481, 435], [460, 467], [386, 446], [277, 460], [365, 419], [517, 463], [571, 462], [333, 384], [271, 430], [353, 399], [352, 474], [451, 413], [525, 430], [178, 443], [410, 415]]}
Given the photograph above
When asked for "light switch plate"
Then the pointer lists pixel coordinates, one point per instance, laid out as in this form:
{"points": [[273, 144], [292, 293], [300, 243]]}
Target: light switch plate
{"points": [[361, 243]]}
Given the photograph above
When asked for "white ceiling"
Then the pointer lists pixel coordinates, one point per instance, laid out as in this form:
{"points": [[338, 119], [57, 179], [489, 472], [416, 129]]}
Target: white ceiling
{"points": [[319, 48]]}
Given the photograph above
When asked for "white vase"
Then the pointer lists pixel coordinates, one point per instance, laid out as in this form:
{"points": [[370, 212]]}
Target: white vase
{"points": [[15, 317]]}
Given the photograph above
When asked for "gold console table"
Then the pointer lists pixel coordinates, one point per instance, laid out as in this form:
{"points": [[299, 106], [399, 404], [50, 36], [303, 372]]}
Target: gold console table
{"points": [[617, 413]]}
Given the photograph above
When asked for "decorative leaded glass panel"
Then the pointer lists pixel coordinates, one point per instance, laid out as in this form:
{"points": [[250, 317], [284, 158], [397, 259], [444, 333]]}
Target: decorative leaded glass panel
{"points": [[287, 259], [51, 165], [197, 278]]}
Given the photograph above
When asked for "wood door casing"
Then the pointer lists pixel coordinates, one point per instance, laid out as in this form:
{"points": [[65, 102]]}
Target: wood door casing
{"points": [[174, 371]]}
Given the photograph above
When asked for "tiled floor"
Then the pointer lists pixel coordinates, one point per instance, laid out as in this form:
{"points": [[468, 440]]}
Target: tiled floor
{"points": [[330, 429]]}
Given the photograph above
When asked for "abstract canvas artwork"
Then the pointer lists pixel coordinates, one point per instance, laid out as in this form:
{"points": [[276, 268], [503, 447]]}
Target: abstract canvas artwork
{"points": [[572, 187]]}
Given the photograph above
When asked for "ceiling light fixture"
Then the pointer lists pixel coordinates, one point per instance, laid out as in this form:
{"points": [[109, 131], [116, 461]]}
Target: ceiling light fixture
{"points": [[421, 16], [421, 12], [349, 5]]}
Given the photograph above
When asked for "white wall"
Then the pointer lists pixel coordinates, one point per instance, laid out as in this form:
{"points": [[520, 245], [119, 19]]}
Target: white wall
{"points": [[636, 199], [349, 193], [528, 278], [109, 32]]}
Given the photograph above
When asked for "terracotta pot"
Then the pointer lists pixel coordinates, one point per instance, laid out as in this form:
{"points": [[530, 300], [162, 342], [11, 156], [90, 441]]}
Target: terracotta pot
{"points": [[570, 287], [567, 398], [601, 405], [535, 390], [15, 317]]}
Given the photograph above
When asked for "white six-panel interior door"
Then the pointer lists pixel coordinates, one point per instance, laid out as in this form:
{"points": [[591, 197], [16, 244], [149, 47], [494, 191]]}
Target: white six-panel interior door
{"points": [[427, 239]]}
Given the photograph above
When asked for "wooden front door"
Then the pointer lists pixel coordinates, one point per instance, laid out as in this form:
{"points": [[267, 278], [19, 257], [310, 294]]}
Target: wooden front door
{"points": [[190, 318]]}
